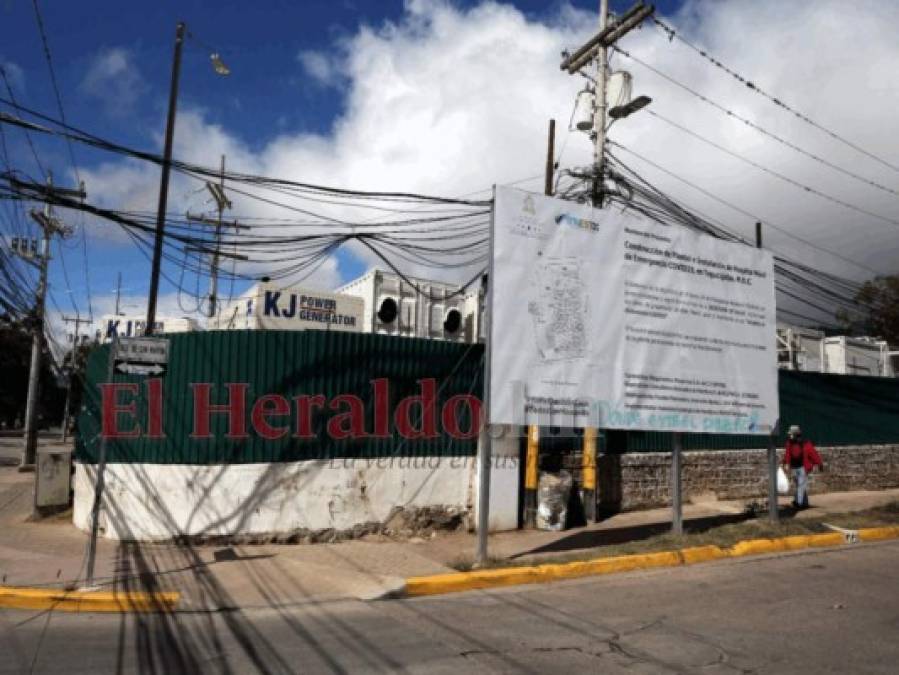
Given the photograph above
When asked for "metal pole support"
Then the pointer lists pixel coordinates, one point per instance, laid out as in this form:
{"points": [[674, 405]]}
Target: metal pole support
{"points": [[677, 515], [588, 466]]}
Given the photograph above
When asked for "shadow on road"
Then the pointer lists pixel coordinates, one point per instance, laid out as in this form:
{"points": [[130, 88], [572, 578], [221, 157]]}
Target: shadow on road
{"points": [[587, 539]]}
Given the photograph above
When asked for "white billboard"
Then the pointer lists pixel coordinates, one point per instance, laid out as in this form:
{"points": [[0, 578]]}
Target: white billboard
{"points": [[602, 318]]}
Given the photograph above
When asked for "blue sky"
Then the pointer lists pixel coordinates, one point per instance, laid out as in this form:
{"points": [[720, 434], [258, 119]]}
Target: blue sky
{"points": [[346, 124], [268, 93]]}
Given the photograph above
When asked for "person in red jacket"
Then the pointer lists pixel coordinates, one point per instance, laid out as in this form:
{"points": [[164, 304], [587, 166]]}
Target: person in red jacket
{"points": [[802, 458]]}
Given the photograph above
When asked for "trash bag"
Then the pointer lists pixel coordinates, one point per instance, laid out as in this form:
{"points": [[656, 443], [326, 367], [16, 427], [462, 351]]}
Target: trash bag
{"points": [[553, 491], [783, 483]]}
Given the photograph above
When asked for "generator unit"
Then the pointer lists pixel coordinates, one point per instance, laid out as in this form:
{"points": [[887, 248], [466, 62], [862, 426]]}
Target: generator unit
{"points": [[413, 307], [857, 356], [800, 348]]}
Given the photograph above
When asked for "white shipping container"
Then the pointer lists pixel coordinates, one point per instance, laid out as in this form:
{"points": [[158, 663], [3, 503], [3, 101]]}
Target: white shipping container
{"points": [[800, 348], [855, 356], [434, 310]]}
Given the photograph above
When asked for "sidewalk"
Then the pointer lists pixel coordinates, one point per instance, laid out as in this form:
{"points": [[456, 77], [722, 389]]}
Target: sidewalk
{"points": [[211, 578]]}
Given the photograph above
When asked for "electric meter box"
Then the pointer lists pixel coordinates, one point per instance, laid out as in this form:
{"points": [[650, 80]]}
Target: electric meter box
{"points": [[54, 476]]}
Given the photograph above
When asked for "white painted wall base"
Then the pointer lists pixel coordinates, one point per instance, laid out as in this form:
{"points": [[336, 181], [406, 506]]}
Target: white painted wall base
{"points": [[159, 501]]}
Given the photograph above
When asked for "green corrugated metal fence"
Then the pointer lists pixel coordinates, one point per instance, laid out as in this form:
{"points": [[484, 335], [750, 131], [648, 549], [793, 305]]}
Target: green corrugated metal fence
{"points": [[289, 363], [832, 409]]}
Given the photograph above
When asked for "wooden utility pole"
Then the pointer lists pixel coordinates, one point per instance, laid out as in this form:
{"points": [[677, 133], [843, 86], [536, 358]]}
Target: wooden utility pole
{"points": [[596, 50], [50, 227], [159, 237], [222, 202], [532, 440]]}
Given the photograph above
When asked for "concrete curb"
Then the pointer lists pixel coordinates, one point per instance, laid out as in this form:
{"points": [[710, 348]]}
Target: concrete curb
{"points": [[56, 599], [533, 574]]}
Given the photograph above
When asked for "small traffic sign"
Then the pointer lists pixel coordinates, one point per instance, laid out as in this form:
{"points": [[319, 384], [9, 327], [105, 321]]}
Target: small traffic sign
{"points": [[142, 355]]}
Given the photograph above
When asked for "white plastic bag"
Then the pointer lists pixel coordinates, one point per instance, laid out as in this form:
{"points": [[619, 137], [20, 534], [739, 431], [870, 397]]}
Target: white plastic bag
{"points": [[553, 491], [783, 483]]}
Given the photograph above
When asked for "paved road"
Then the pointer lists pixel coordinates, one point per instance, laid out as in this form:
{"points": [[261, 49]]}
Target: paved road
{"points": [[816, 612]]}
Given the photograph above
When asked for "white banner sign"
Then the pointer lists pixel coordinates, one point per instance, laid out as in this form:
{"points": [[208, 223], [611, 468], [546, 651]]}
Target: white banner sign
{"points": [[602, 318], [298, 308]]}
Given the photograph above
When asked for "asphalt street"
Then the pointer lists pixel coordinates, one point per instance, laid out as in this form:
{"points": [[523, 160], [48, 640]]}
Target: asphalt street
{"points": [[816, 612]]}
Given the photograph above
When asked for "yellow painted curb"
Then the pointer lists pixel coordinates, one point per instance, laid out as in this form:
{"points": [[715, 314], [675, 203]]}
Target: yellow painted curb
{"points": [[878, 533], [12, 597], [701, 554], [513, 576]]}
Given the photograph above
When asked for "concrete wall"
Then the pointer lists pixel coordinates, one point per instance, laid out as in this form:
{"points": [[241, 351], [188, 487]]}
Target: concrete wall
{"points": [[641, 480], [162, 501]]}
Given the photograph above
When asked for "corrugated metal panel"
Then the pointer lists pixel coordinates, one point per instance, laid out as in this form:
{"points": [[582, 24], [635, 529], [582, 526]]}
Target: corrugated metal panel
{"points": [[287, 363], [831, 409]]}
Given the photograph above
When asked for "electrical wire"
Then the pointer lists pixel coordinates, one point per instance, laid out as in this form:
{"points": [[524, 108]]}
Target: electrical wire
{"points": [[756, 127], [751, 86], [776, 174]]}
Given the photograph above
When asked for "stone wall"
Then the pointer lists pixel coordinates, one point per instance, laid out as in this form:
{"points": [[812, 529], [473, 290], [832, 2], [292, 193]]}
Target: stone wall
{"points": [[642, 480]]}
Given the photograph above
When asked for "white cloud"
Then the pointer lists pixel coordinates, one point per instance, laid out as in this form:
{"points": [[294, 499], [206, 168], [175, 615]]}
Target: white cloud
{"points": [[448, 101], [113, 78], [321, 68]]}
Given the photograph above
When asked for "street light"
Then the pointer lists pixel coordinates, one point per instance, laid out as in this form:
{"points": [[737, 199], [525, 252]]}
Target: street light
{"points": [[223, 70], [622, 111]]}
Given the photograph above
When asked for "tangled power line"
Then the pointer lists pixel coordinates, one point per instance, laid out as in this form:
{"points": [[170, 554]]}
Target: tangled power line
{"points": [[404, 229]]}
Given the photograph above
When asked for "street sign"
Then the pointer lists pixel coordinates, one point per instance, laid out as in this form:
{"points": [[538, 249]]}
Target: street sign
{"points": [[142, 355]]}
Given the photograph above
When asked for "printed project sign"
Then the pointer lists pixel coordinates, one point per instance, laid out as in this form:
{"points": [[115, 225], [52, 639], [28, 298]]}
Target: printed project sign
{"points": [[602, 318]]}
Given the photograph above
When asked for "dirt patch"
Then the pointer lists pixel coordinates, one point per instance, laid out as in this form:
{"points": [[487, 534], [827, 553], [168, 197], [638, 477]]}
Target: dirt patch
{"points": [[401, 524]]}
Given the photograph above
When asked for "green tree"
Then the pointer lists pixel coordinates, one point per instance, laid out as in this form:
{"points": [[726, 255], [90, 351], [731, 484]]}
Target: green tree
{"points": [[15, 361], [880, 297]]}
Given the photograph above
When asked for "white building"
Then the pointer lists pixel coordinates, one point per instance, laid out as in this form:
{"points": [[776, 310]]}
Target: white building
{"points": [[422, 308]]}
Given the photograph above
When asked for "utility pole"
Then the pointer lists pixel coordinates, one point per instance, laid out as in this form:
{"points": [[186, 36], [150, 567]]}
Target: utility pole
{"points": [[118, 292], [532, 440], [77, 320], [50, 226], [164, 180], [222, 203], [599, 108], [596, 50]]}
